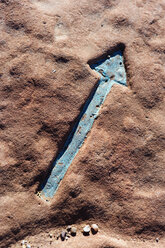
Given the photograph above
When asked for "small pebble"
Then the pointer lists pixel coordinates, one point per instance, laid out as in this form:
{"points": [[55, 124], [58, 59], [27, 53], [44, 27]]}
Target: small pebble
{"points": [[68, 228], [50, 235], [86, 229], [94, 228], [73, 231], [53, 71], [24, 242], [63, 235], [157, 240], [28, 246]]}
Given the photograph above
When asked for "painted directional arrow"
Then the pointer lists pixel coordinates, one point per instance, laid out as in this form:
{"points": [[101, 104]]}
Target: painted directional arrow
{"points": [[111, 71]]}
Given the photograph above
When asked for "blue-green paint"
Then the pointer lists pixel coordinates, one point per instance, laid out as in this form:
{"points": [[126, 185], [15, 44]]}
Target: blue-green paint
{"points": [[111, 71]]}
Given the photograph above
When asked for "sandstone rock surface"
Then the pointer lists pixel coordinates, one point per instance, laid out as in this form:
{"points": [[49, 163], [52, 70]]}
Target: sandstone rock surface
{"points": [[45, 50]]}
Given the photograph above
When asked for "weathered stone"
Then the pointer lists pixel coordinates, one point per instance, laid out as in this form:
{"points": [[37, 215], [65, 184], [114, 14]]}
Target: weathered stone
{"points": [[28, 246], [122, 158], [86, 230], [63, 235], [94, 228], [73, 231], [68, 228], [24, 242]]}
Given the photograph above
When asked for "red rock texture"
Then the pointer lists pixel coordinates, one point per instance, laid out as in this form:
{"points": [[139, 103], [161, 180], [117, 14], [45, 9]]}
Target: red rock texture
{"points": [[117, 180]]}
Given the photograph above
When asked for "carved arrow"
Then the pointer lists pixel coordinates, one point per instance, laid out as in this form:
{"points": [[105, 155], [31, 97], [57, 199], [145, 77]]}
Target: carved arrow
{"points": [[111, 71]]}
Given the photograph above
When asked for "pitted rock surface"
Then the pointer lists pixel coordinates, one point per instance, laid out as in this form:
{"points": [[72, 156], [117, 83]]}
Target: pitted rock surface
{"points": [[117, 180]]}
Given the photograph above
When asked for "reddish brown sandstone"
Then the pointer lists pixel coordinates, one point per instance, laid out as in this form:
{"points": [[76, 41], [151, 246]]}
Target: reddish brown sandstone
{"points": [[117, 180]]}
